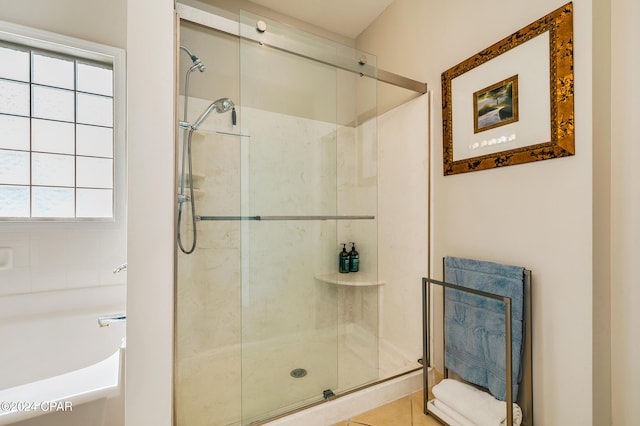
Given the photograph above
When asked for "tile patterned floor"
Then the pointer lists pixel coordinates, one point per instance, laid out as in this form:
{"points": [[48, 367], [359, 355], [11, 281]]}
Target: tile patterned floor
{"points": [[406, 411]]}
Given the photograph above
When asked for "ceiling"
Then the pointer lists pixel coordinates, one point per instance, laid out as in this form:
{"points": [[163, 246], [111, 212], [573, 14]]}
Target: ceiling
{"points": [[345, 17]]}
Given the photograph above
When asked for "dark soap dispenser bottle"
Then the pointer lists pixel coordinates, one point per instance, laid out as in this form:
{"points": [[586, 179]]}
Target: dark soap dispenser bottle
{"points": [[354, 259], [343, 260]]}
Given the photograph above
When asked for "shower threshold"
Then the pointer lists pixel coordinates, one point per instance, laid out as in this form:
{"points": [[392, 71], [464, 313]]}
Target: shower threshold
{"points": [[412, 378]]}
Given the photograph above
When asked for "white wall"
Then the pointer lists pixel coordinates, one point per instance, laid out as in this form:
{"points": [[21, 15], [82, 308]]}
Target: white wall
{"points": [[625, 211], [536, 215], [151, 123], [94, 20]]}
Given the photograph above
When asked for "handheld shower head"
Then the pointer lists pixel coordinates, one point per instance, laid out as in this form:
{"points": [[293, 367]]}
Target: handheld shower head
{"points": [[197, 64], [220, 106]]}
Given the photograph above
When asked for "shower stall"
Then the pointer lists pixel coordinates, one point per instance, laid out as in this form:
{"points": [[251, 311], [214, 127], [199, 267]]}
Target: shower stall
{"points": [[277, 169]]}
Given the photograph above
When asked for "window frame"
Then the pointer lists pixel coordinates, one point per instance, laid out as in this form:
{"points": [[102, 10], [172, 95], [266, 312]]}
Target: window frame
{"points": [[84, 52]]}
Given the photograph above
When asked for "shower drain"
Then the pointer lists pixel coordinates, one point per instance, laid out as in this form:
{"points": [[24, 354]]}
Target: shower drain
{"points": [[298, 373]]}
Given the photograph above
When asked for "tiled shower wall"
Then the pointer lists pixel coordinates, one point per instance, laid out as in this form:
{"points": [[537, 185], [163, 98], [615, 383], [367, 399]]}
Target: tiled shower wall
{"points": [[298, 169]]}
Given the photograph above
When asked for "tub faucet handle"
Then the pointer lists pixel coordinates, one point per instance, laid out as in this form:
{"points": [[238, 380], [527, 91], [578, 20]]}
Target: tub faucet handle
{"points": [[120, 268]]}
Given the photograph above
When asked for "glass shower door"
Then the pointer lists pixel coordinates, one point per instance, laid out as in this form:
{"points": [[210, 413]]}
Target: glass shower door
{"points": [[289, 326], [308, 184]]}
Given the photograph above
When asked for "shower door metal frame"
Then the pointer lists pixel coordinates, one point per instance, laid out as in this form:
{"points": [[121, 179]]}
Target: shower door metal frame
{"points": [[232, 27]]}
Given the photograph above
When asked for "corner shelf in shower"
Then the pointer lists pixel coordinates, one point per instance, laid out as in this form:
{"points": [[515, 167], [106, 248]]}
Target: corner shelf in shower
{"points": [[197, 179], [352, 279]]}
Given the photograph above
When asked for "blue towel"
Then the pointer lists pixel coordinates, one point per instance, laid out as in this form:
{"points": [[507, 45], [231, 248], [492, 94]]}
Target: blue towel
{"points": [[475, 325]]}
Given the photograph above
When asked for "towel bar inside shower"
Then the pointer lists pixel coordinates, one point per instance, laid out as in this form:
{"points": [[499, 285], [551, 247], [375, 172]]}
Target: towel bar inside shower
{"points": [[267, 218]]}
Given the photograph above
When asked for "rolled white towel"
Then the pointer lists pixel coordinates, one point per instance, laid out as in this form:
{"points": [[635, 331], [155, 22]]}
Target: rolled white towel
{"points": [[445, 413], [478, 406], [457, 419]]}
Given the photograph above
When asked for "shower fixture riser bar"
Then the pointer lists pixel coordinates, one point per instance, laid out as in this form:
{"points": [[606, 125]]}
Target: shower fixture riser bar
{"points": [[206, 218]]}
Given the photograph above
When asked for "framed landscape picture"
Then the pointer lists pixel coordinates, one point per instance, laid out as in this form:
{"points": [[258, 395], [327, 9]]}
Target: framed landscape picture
{"points": [[496, 105]]}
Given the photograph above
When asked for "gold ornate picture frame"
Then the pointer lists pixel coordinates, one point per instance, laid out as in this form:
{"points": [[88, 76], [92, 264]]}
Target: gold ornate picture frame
{"points": [[526, 80]]}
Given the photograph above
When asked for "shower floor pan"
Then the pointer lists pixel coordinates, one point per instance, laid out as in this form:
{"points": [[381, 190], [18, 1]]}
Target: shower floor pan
{"points": [[229, 387]]}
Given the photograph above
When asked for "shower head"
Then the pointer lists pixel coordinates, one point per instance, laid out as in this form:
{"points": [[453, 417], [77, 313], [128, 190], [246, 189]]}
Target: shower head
{"points": [[197, 65], [221, 105]]}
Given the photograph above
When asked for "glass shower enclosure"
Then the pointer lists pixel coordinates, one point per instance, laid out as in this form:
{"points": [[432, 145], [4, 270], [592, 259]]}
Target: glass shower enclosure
{"points": [[265, 323]]}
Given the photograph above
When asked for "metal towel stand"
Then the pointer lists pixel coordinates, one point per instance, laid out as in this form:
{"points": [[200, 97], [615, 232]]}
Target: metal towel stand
{"points": [[525, 400]]}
